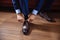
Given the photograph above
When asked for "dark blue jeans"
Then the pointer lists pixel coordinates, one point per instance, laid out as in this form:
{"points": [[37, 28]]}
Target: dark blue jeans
{"points": [[24, 5]]}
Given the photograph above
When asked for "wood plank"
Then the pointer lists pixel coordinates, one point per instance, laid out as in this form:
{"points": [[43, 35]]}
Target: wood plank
{"points": [[10, 29]]}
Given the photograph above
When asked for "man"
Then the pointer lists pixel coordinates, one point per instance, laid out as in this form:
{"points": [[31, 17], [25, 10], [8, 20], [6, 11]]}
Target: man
{"points": [[22, 6]]}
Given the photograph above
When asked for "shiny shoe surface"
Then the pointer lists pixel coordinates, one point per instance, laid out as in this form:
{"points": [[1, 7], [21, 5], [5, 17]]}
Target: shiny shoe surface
{"points": [[25, 28], [47, 17]]}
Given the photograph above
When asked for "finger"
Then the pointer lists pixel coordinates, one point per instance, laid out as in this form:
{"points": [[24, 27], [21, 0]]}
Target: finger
{"points": [[30, 20], [21, 20]]}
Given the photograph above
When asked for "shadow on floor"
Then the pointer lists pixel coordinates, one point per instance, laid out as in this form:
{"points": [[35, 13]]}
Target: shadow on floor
{"points": [[46, 28]]}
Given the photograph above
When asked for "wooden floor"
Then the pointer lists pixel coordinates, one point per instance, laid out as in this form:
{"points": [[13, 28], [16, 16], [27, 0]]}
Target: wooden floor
{"points": [[10, 28]]}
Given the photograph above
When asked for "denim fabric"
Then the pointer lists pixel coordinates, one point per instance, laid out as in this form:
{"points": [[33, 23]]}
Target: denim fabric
{"points": [[23, 5]]}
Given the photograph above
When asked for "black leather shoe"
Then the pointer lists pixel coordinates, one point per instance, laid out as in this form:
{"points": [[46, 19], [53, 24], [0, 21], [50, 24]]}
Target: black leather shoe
{"points": [[47, 17], [25, 28]]}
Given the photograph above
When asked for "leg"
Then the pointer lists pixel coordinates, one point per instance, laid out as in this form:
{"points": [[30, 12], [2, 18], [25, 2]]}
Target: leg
{"points": [[47, 7], [24, 7], [40, 5], [15, 4], [25, 10]]}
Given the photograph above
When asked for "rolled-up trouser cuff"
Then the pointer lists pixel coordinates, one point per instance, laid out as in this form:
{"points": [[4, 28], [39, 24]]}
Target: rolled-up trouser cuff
{"points": [[34, 12], [17, 11]]}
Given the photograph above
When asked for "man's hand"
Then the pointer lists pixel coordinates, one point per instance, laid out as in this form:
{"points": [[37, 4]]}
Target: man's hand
{"points": [[31, 17], [20, 17]]}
